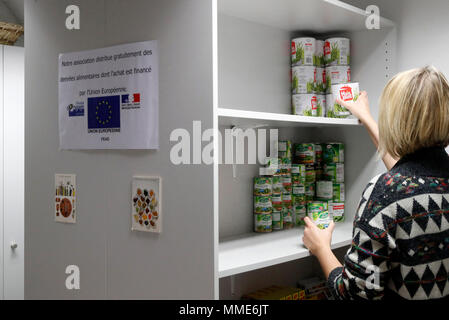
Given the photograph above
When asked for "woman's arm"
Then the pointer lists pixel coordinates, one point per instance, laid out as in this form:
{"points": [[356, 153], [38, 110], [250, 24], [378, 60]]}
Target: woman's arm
{"points": [[360, 109], [319, 244]]}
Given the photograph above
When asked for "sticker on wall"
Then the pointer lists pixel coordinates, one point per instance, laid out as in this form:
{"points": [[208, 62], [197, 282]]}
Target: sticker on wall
{"points": [[146, 204], [65, 198]]}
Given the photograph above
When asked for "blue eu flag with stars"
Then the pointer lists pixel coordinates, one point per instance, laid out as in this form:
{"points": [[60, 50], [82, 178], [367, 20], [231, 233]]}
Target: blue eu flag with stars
{"points": [[103, 112]]}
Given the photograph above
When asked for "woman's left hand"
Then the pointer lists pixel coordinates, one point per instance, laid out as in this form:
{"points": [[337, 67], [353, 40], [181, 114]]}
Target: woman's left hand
{"points": [[316, 239]]}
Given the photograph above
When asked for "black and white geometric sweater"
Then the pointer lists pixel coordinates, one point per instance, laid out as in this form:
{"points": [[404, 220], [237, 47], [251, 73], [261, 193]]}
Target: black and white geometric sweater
{"points": [[400, 246]]}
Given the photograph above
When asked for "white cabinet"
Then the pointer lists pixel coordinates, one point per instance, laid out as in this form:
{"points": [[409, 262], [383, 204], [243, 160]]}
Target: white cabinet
{"points": [[252, 65]]}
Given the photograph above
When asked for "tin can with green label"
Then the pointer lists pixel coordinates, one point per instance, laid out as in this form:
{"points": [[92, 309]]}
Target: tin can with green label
{"points": [[338, 192], [285, 165], [324, 190], [334, 172], [318, 212], [285, 149], [318, 152], [310, 191], [277, 220], [276, 202], [319, 171], [287, 216], [263, 186], [337, 211], [263, 223], [277, 185], [286, 183], [310, 173], [304, 153], [300, 214], [334, 152], [263, 204], [287, 199], [298, 174]]}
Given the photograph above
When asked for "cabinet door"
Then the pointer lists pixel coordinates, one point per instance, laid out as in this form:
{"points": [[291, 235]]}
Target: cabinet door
{"points": [[13, 172]]}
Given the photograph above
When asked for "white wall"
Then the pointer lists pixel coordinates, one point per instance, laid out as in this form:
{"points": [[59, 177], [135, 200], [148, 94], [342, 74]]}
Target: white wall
{"points": [[115, 262], [13, 171], [422, 30]]}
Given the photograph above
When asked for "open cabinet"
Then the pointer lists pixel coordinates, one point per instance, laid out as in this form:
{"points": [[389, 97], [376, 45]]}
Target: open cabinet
{"points": [[252, 89]]}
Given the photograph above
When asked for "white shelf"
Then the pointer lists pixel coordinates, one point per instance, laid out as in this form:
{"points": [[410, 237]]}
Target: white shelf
{"points": [[254, 251], [294, 15], [243, 118]]}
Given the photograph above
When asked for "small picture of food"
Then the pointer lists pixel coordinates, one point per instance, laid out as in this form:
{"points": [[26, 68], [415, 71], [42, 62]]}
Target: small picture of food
{"points": [[65, 185], [145, 204]]}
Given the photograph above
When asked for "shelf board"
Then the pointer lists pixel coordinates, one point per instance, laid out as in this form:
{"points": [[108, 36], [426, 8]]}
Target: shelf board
{"points": [[293, 15], [245, 119], [254, 251]]}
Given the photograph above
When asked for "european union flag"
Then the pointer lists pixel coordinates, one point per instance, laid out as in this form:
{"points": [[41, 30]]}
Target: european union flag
{"points": [[103, 112]]}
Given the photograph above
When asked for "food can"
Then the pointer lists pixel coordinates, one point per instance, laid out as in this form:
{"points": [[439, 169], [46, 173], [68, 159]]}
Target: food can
{"points": [[310, 191], [284, 150], [262, 204], [304, 79], [324, 190], [298, 190], [263, 186], [304, 104], [277, 185], [287, 199], [303, 50], [310, 173], [286, 183], [334, 152], [320, 80], [337, 211], [321, 105], [346, 92], [263, 223], [276, 202], [318, 58], [330, 106], [300, 214], [277, 221], [334, 172], [304, 153], [319, 214], [337, 51], [287, 217], [318, 152], [299, 199], [319, 171], [285, 165], [338, 192], [298, 174], [337, 75]]}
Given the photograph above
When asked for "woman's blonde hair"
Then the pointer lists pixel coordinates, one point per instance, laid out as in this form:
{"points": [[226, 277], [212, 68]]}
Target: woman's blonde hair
{"points": [[414, 112]]}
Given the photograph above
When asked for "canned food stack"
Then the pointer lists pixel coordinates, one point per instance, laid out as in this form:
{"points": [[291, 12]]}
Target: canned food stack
{"points": [[316, 66], [334, 173], [273, 204], [324, 181], [308, 77]]}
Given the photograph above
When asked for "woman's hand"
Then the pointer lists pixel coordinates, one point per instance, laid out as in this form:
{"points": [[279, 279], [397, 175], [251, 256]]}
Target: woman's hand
{"points": [[316, 240], [359, 108]]}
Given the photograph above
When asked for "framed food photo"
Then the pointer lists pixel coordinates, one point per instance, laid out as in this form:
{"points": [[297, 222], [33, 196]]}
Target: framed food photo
{"points": [[65, 198], [146, 211]]}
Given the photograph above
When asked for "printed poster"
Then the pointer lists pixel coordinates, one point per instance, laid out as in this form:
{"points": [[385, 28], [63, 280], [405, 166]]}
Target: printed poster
{"points": [[65, 201], [146, 214], [109, 98]]}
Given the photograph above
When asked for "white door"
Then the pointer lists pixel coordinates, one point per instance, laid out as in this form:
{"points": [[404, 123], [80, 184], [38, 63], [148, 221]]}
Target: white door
{"points": [[12, 171]]}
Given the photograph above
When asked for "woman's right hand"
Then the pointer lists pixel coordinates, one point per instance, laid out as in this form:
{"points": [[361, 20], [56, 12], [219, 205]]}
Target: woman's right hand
{"points": [[359, 108]]}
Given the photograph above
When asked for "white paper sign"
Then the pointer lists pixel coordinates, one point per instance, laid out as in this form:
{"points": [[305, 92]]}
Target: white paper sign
{"points": [[109, 98]]}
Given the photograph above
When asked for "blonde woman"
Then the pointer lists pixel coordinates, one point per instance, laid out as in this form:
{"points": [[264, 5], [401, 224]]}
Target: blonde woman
{"points": [[400, 246]]}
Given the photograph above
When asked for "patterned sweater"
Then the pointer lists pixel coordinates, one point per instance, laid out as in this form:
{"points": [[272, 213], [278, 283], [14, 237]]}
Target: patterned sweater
{"points": [[400, 246]]}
